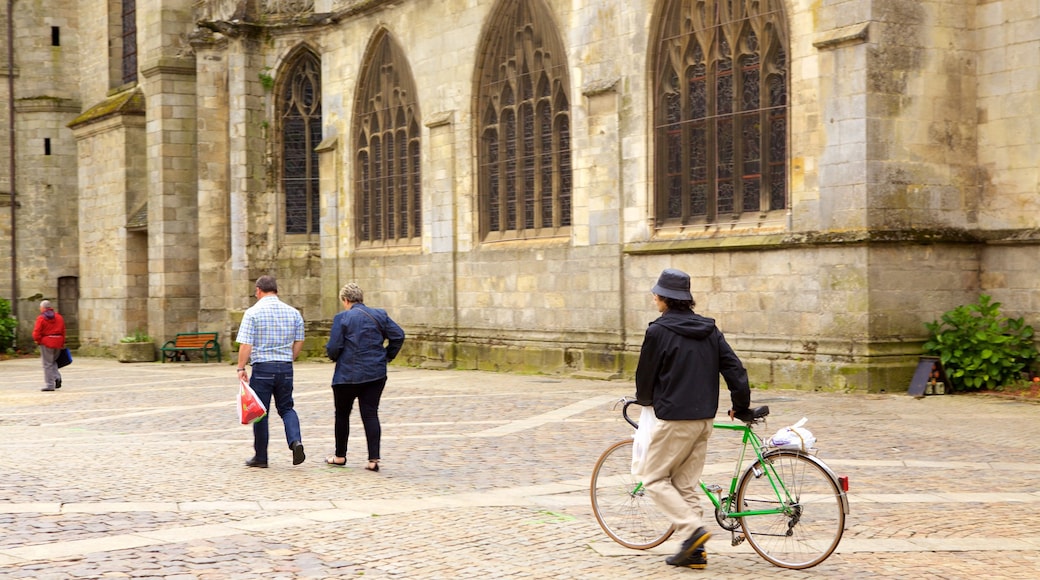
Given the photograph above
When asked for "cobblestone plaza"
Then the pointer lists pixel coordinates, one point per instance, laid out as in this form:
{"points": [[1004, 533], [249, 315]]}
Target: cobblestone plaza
{"points": [[136, 471]]}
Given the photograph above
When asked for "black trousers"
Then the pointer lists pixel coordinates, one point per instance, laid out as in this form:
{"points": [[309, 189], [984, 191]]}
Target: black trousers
{"points": [[368, 395]]}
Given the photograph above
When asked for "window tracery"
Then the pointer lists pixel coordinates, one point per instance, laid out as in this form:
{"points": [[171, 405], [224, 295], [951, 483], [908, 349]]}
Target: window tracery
{"points": [[524, 122], [300, 107], [720, 114], [387, 149]]}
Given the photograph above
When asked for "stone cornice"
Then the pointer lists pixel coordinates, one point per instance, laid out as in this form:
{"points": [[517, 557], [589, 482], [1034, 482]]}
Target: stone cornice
{"points": [[46, 105], [779, 241], [842, 36], [274, 22], [168, 65]]}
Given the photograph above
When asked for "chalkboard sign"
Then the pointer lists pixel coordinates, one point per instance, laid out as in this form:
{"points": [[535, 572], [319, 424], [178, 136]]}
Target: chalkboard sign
{"points": [[929, 378]]}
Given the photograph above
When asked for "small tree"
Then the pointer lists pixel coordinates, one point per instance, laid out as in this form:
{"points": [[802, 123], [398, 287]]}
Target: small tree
{"points": [[8, 326], [980, 348]]}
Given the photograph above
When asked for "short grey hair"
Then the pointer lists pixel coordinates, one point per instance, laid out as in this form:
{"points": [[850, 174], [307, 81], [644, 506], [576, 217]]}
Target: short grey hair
{"points": [[267, 284], [46, 304], [352, 293]]}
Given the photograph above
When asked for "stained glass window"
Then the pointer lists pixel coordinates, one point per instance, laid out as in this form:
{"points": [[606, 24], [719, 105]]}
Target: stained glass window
{"points": [[300, 107], [387, 145], [720, 110], [523, 111], [129, 13]]}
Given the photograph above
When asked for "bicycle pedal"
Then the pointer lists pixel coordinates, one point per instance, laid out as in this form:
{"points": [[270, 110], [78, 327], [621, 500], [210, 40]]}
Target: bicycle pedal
{"points": [[714, 488], [738, 539]]}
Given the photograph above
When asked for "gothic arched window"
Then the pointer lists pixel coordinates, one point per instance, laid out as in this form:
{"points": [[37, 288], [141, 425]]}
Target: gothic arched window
{"points": [[300, 110], [524, 122], [720, 110], [387, 148]]}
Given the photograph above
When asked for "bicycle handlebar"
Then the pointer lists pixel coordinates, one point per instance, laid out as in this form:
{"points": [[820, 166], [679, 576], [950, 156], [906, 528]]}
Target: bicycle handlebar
{"points": [[749, 416], [626, 401]]}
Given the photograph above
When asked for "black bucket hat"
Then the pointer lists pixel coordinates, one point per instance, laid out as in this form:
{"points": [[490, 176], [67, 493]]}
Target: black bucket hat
{"points": [[674, 284]]}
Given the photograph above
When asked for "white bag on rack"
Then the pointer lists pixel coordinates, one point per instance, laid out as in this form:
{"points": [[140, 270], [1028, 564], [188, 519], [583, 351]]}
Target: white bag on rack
{"points": [[794, 437], [641, 440]]}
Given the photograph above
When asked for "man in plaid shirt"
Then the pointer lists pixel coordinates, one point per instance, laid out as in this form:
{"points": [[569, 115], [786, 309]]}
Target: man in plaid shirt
{"points": [[270, 338]]}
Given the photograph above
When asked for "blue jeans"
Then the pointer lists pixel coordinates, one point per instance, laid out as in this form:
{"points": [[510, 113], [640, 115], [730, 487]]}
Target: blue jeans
{"points": [[274, 379]]}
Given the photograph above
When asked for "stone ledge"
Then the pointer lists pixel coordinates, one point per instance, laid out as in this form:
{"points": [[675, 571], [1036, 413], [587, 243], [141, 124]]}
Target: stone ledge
{"points": [[843, 36]]}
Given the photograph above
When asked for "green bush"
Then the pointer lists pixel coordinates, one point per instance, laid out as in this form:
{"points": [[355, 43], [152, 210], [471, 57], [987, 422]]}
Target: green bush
{"points": [[137, 336], [980, 348], [8, 326]]}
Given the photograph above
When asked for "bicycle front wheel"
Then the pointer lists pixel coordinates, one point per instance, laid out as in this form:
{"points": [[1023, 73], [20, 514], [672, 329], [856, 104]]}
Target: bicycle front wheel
{"points": [[620, 503], [813, 520]]}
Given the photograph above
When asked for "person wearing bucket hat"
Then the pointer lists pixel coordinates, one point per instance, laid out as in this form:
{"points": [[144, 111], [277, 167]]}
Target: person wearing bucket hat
{"points": [[674, 284], [682, 356]]}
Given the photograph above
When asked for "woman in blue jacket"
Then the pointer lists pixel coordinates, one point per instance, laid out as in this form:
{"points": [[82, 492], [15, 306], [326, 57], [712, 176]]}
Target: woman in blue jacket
{"points": [[363, 340]]}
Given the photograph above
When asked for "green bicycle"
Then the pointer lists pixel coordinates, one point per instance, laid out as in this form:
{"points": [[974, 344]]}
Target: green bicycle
{"points": [[787, 503]]}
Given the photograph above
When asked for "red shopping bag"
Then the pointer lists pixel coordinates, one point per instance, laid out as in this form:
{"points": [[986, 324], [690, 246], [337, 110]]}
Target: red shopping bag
{"points": [[250, 408]]}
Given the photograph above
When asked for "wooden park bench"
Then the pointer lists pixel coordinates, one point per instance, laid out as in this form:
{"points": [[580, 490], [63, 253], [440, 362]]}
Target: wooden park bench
{"points": [[178, 348]]}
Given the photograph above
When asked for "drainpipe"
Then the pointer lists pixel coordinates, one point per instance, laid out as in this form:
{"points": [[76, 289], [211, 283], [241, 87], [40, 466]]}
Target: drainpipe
{"points": [[11, 145]]}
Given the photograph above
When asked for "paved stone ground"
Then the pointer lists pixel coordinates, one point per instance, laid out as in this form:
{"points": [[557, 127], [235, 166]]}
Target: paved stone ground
{"points": [[135, 471]]}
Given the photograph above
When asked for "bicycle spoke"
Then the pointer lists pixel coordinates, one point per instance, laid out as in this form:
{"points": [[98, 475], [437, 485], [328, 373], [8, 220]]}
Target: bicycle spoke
{"points": [[621, 506], [813, 520]]}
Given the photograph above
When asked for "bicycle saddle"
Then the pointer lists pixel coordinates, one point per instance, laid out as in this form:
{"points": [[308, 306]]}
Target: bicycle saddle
{"points": [[752, 414]]}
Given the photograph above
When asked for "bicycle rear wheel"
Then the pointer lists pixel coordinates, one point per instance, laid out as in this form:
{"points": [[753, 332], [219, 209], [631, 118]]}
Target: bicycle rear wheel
{"points": [[810, 529], [620, 503]]}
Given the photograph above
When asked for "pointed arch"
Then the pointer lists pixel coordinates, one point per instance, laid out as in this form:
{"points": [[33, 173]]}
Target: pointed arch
{"points": [[720, 85], [387, 146], [523, 106], [300, 125]]}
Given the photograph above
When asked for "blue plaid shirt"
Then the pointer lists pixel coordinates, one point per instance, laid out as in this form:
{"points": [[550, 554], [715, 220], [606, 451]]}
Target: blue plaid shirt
{"points": [[271, 327]]}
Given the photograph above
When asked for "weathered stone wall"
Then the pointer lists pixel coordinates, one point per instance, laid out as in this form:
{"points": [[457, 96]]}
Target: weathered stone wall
{"points": [[913, 186], [99, 22], [114, 280], [5, 173], [46, 99], [1007, 108], [881, 237], [168, 78]]}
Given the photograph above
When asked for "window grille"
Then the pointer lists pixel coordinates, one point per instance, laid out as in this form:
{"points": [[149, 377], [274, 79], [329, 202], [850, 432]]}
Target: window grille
{"points": [[720, 110], [129, 41], [387, 149], [523, 111], [301, 133]]}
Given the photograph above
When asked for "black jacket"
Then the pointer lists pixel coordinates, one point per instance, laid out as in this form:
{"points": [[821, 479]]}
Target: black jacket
{"points": [[679, 366]]}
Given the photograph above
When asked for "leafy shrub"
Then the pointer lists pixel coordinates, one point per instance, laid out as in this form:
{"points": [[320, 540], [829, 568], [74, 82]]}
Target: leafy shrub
{"points": [[137, 336], [980, 348], [8, 326]]}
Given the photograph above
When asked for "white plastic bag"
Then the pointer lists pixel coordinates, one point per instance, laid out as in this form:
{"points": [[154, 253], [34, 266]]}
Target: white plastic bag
{"points": [[641, 440], [794, 437]]}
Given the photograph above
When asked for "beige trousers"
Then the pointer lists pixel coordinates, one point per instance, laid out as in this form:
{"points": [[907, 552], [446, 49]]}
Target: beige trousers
{"points": [[674, 463]]}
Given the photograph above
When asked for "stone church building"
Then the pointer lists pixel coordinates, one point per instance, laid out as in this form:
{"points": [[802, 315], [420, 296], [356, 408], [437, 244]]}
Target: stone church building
{"points": [[508, 177]]}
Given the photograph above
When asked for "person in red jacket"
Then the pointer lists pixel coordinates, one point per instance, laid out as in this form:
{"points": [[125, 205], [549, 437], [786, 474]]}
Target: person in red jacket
{"points": [[49, 333]]}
